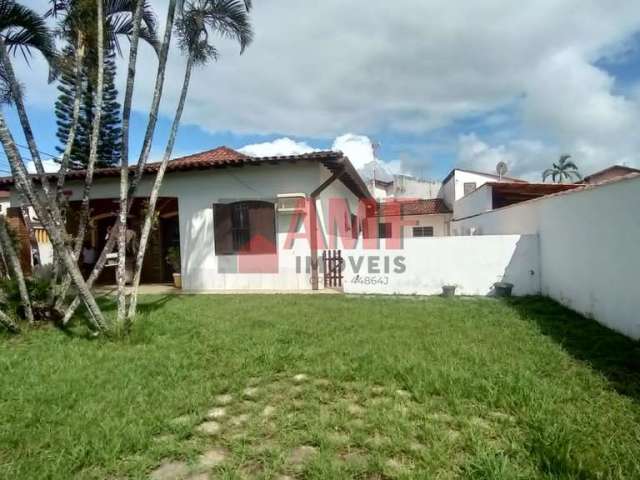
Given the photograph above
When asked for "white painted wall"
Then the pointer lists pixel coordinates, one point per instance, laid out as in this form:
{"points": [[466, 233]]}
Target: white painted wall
{"points": [[479, 201], [589, 252], [520, 218], [197, 191], [588, 248], [453, 190], [409, 187], [438, 222], [472, 263]]}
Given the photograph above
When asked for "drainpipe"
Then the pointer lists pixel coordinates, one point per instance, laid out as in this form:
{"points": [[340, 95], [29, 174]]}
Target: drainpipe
{"points": [[313, 223]]}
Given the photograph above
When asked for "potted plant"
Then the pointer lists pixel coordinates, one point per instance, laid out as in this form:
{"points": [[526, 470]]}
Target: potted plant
{"points": [[173, 259], [449, 290]]}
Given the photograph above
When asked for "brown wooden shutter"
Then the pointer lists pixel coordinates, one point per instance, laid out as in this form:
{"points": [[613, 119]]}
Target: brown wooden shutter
{"points": [[222, 228], [262, 224]]}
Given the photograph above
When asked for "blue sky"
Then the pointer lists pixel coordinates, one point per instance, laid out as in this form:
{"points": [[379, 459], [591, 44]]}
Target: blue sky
{"points": [[434, 85]]}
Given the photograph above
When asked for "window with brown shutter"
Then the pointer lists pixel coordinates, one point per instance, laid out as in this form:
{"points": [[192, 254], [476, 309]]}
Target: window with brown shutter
{"points": [[244, 228]]}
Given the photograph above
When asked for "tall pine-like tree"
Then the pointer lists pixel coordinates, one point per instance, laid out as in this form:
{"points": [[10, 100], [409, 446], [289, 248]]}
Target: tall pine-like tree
{"points": [[110, 129]]}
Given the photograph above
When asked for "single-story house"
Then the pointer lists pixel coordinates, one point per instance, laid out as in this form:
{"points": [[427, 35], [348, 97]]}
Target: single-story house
{"points": [[237, 220]]}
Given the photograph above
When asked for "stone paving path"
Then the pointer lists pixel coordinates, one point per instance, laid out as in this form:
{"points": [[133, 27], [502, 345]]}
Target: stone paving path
{"points": [[280, 427]]}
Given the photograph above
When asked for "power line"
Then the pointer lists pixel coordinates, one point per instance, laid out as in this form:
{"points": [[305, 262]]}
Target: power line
{"points": [[39, 151]]}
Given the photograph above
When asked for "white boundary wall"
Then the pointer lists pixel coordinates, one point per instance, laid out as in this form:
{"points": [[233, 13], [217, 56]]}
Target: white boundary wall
{"points": [[474, 264], [589, 248]]}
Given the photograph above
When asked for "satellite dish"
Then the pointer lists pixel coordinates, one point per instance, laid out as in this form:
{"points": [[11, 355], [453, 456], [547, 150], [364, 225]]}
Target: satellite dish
{"points": [[502, 169]]}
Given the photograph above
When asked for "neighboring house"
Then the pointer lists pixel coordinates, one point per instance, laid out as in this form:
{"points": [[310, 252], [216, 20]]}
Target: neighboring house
{"points": [[236, 219], [610, 173], [494, 195], [431, 205], [505, 209], [461, 182], [420, 217], [403, 186]]}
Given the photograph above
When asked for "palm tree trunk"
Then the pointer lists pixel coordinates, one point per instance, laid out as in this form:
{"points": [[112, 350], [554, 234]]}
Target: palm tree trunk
{"points": [[155, 191], [95, 273], [157, 96], [153, 116], [14, 262], [52, 225], [46, 208], [124, 167], [22, 115], [95, 137], [7, 323], [26, 218]]}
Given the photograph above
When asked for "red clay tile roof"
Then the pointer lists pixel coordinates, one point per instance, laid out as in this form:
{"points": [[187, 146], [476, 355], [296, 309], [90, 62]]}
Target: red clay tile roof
{"points": [[223, 157], [397, 207]]}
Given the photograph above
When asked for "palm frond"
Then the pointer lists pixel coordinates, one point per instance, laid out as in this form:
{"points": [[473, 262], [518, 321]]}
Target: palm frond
{"points": [[229, 18], [563, 158], [118, 18], [547, 173], [570, 165], [24, 30]]}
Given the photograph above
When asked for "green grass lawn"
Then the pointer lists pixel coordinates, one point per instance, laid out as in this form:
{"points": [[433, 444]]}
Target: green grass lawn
{"points": [[325, 387]]}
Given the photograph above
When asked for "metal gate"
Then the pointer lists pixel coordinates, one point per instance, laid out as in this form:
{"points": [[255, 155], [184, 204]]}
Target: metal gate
{"points": [[333, 262]]}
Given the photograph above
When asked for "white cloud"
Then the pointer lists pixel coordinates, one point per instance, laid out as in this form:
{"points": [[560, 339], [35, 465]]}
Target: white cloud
{"points": [[280, 146], [411, 66], [358, 148], [49, 166]]}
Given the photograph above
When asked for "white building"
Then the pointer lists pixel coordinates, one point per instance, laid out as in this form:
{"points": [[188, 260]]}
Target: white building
{"points": [[239, 222]]}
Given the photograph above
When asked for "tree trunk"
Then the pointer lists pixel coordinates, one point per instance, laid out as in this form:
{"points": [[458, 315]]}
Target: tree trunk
{"points": [[121, 275], [14, 263], [157, 96], [26, 218], [155, 191], [22, 115], [46, 208], [7, 323], [95, 273], [95, 136], [153, 115], [53, 227]]}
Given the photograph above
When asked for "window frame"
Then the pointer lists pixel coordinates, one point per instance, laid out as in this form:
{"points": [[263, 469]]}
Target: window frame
{"points": [[385, 230], [467, 184], [241, 235], [425, 228]]}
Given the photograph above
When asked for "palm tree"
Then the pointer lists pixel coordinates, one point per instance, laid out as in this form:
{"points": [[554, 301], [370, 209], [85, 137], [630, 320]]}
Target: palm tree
{"points": [[21, 29], [77, 22], [126, 198], [564, 169], [6, 244], [78, 26], [227, 18]]}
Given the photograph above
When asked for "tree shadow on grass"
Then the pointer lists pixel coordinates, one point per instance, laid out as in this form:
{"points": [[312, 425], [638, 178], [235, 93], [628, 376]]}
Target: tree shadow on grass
{"points": [[108, 303], [108, 306], [610, 353]]}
